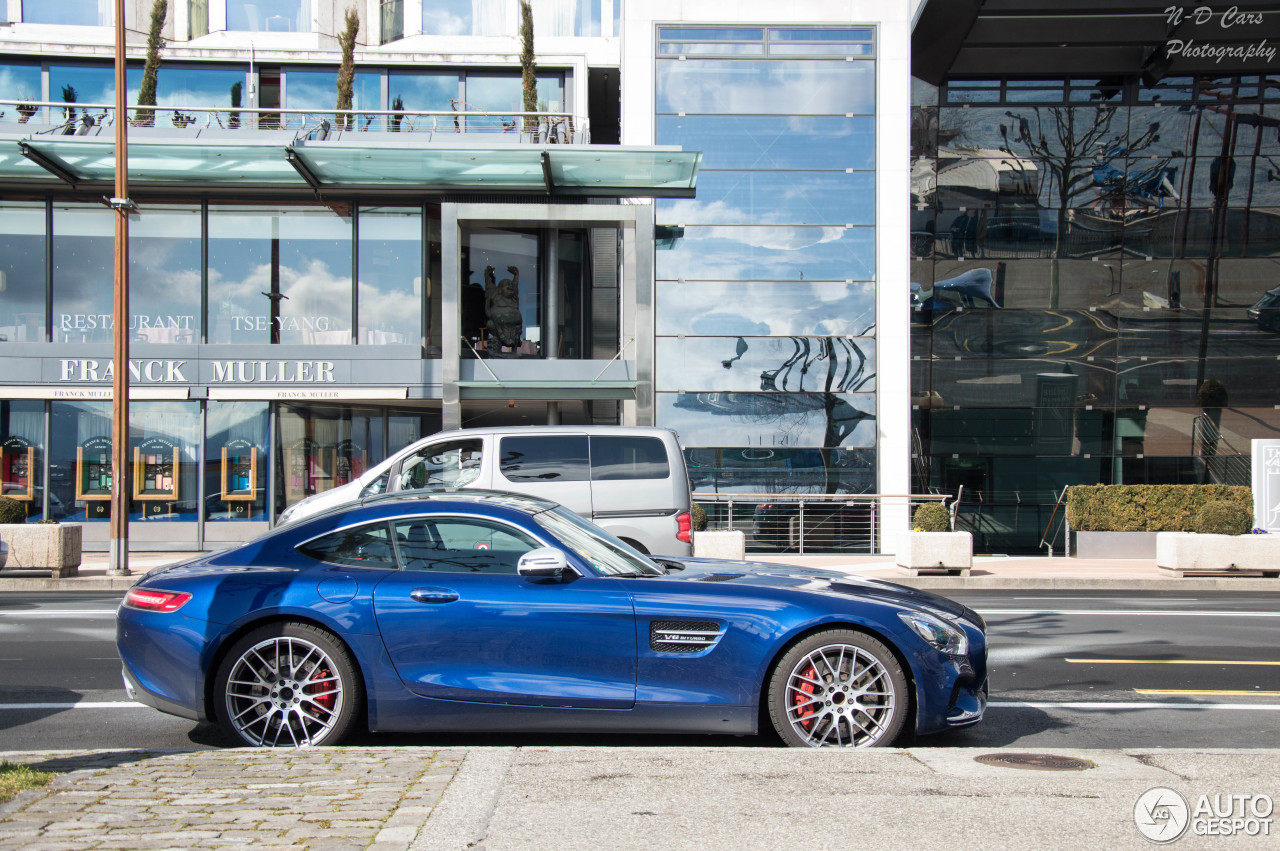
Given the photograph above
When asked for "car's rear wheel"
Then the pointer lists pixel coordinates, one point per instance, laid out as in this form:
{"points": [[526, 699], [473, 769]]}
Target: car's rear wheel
{"points": [[838, 688], [288, 685]]}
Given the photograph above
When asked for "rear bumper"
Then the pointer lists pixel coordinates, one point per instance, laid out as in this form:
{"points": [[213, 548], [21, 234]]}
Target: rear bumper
{"points": [[137, 692]]}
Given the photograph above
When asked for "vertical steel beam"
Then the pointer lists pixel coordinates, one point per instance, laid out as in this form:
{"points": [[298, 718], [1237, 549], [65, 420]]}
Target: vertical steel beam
{"points": [[450, 316]]}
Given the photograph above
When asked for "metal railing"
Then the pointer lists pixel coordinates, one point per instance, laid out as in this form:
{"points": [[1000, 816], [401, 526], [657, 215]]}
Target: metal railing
{"points": [[1223, 464], [806, 523], [71, 119]]}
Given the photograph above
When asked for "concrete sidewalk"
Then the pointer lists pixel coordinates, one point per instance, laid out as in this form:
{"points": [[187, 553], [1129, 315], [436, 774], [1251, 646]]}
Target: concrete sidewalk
{"points": [[692, 797], [989, 572]]}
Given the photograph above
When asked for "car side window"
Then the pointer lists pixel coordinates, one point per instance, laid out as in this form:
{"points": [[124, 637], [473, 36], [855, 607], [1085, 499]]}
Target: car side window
{"points": [[453, 464], [547, 458], [619, 458], [460, 545], [362, 546], [377, 486]]}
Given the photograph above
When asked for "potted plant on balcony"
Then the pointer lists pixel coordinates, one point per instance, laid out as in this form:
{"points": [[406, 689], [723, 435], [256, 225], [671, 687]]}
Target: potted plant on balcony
{"points": [[1219, 543], [932, 545], [51, 546]]}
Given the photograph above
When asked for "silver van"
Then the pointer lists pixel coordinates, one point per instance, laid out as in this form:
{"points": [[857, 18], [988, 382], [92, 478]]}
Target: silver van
{"points": [[629, 479]]}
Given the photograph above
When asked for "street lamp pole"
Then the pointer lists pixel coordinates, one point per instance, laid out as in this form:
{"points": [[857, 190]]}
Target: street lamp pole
{"points": [[120, 207]]}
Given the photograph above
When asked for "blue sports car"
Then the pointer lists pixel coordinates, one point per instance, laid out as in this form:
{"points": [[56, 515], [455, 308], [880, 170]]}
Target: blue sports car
{"points": [[489, 611]]}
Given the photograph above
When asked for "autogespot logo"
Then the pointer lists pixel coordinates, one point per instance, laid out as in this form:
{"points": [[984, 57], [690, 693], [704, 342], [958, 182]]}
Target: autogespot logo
{"points": [[1161, 814]]}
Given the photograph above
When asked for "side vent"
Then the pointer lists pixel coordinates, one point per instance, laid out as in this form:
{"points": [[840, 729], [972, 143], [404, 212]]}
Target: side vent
{"points": [[683, 636]]}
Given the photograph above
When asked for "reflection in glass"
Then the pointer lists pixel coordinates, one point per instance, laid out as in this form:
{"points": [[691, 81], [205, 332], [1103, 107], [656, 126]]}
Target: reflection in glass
{"points": [[164, 274], [391, 283], [20, 82], [791, 364], [785, 198], [1022, 382], [470, 17], [317, 90], [82, 13], [758, 308], [1019, 333], [22, 267], [769, 419], [770, 253], [1034, 432], [324, 446], [292, 16], [501, 293], [236, 461], [746, 87], [421, 91], [83, 276], [194, 86], [781, 469], [279, 276], [766, 141]]}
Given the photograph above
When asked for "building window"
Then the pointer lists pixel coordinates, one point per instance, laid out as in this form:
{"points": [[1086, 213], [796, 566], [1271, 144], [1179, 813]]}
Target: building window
{"points": [[22, 458], [22, 272], [237, 464], [293, 16], [502, 17], [197, 18], [391, 20], [281, 276], [84, 13], [164, 274], [83, 276], [392, 287]]}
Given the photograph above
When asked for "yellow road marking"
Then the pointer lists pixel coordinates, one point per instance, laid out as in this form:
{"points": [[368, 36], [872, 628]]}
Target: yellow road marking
{"points": [[1193, 691], [1167, 662]]}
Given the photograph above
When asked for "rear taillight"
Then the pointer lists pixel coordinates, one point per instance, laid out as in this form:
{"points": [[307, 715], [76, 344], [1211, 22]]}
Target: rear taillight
{"points": [[684, 527], [155, 601]]}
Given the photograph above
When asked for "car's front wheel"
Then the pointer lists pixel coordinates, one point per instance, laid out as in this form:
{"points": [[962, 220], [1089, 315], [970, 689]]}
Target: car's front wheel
{"points": [[838, 688], [288, 685]]}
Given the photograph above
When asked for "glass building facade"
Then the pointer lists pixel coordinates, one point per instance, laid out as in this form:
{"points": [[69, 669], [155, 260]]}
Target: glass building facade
{"points": [[1092, 264], [765, 320]]}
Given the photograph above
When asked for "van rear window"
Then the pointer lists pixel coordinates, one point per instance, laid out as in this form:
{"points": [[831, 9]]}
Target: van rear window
{"points": [[621, 458]]}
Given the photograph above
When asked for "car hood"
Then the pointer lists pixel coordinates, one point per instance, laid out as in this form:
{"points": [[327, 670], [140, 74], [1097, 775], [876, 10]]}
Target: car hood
{"points": [[815, 580]]}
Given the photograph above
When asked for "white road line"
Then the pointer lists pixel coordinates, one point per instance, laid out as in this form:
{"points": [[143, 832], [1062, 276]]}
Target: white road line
{"points": [[86, 704], [1129, 613], [1104, 706]]}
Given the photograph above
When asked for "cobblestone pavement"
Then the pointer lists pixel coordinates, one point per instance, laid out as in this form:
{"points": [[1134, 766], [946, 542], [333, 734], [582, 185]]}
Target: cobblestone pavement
{"points": [[375, 798]]}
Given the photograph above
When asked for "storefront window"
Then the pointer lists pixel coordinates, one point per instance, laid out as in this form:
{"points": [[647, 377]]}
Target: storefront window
{"points": [[80, 466], [163, 441], [279, 276], [501, 297], [236, 461], [392, 288], [83, 277], [290, 16], [22, 272], [164, 275], [22, 458], [322, 447]]}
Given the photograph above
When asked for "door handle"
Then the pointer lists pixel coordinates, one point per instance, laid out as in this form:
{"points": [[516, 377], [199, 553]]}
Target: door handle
{"points": [[433, 595]]}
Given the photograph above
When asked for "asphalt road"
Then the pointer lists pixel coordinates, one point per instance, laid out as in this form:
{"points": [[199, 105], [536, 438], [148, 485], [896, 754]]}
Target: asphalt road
{"points": [[1080, 670]]}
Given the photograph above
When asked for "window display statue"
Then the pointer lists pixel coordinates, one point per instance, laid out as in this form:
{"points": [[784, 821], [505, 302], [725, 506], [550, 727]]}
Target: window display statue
{"points": [[502, 307]]}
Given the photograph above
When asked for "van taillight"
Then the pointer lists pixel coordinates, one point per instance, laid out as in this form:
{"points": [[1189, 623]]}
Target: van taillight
{"points": [[684, 527], [155, 601]]}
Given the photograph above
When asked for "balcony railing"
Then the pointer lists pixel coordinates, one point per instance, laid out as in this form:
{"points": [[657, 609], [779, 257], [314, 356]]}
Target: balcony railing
{"points": [[85, 119], [805, 523]]}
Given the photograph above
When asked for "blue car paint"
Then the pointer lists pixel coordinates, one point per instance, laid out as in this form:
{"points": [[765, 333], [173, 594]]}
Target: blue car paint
{"points": [[628, 686]]}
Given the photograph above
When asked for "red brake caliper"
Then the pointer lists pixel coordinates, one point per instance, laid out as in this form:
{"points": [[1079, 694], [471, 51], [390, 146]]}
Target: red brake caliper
{"points": [[328, 698], [803, 695]]}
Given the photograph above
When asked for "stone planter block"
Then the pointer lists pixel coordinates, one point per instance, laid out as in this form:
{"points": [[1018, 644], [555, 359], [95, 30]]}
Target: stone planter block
{"points": [[1114, 544], [720, 545], [1179, 552], [949, 551], [43, 546]]}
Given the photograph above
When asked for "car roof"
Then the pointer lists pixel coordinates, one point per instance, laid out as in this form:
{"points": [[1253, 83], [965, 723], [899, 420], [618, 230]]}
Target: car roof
{"points": [[531, 504]]}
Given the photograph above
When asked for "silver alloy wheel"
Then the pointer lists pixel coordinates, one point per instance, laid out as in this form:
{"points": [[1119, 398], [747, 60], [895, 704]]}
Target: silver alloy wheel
{"points": [[284, 691], [840, 695]]}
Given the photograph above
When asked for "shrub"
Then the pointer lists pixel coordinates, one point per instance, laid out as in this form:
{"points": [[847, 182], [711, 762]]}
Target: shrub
{"points": [[932, 517], [699, 517], [1222, 518], [1146, 508], [12, 511]]}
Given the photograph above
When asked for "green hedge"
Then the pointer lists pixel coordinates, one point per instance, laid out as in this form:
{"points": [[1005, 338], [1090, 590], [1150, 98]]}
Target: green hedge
{"points": [[1146, 508]]}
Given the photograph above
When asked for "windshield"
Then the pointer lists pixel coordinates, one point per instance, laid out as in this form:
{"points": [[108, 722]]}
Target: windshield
{"points": [[596, 546]]}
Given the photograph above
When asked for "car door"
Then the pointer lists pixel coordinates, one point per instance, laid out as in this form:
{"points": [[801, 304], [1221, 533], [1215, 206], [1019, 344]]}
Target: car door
{"points": [[459, 623]]}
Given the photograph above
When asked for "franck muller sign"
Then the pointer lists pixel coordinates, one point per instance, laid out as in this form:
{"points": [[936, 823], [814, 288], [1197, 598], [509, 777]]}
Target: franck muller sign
{"points": [[1266, 484], [254, 372]]}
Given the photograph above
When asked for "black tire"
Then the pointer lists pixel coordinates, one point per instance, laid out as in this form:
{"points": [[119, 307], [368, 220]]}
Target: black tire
{"points": [[838, 688], [288, 685]]}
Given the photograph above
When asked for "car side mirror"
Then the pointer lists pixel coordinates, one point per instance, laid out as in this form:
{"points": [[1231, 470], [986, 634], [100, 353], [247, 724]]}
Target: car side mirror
{"points": [[544, 561]]}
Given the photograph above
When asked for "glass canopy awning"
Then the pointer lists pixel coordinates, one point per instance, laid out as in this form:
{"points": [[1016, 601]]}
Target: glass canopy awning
{"points": [[230, 160]]}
